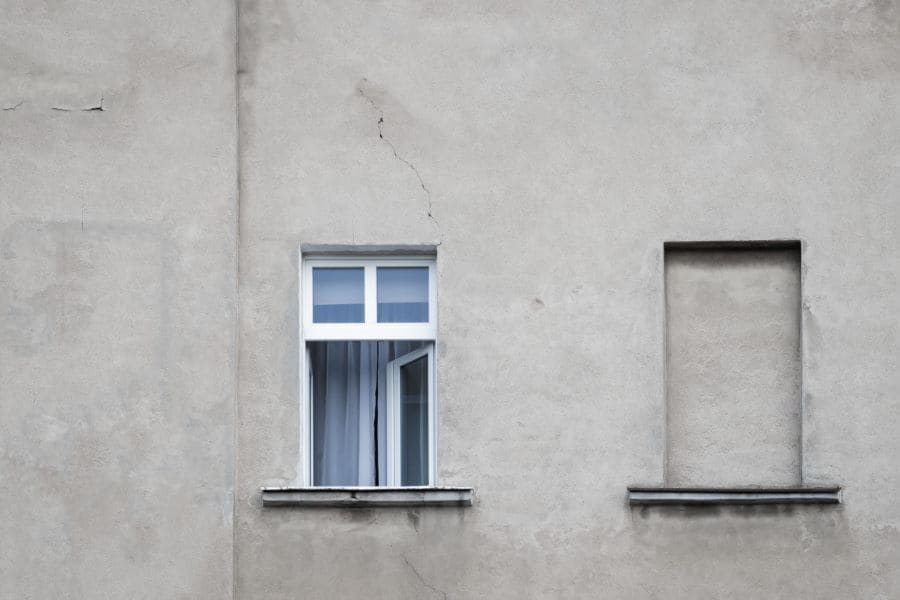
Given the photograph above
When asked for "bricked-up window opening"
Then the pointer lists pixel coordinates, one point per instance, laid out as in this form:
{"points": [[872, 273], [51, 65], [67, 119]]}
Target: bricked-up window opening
{"points": [[733, 365], [369, 330]]}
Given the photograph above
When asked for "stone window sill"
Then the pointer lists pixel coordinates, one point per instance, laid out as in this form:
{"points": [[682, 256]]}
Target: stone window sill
{"points": [[366, 497], [657, 496]]}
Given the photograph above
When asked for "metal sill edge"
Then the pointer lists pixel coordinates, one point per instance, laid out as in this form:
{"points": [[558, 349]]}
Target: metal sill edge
{"points": [[366, 497], [657, 496]]}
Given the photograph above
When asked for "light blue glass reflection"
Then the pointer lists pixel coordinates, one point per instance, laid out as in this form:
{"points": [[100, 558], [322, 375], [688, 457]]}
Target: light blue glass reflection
{"points": [[338, 295], [402, 294]]}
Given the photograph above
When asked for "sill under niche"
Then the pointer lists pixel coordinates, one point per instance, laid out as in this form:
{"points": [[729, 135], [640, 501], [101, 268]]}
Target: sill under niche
{"points": [[694, 496], [366, 497]]}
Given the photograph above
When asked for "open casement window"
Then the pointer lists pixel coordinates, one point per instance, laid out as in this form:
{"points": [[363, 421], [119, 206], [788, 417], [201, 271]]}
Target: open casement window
{"points": [[368, 329], [410, 387]]}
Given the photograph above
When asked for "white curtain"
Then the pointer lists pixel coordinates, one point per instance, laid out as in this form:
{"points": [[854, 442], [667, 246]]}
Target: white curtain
{"points": [[348, 383]]}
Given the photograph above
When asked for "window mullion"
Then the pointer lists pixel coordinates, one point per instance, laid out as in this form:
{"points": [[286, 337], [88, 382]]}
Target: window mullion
{"points": [[370, 297]]}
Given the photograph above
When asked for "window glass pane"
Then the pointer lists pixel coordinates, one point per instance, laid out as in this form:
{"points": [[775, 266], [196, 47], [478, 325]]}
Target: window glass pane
{"points": [[402, 294], [349, 425], [338, 295], [414, 422]]}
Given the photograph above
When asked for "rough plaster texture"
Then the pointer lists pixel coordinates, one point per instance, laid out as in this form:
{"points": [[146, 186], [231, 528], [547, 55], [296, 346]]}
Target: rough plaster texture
{"points": [[117, 299], [550, 150], [732, 367], [556, 147]]}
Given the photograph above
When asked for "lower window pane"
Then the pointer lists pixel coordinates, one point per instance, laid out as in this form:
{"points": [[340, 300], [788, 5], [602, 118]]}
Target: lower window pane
{"points": [[348, 393], [414, 422]]}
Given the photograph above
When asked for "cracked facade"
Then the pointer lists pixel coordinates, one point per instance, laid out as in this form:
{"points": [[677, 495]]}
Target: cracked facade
{"points": [[393, 148], [149, 236]]}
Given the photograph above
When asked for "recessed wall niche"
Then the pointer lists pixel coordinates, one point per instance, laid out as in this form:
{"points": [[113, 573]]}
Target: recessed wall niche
{"points": [[733, 365]]}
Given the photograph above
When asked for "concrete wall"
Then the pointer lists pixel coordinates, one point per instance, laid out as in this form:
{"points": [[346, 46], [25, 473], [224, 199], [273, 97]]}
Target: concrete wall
{"points": [[549, 150], [117, 299]]}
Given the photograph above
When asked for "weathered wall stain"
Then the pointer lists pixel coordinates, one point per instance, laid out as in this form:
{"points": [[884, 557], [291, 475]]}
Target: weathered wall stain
{"points": [[857, 40]]}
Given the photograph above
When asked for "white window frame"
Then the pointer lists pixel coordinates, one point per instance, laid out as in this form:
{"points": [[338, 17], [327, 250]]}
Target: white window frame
{"points": [[394, 431], [369, 330]]}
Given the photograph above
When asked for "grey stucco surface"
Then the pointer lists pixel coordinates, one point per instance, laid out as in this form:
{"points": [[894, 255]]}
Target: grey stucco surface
{"points": [[556, 147], [549, 150], [733, 367], [117, 299]]}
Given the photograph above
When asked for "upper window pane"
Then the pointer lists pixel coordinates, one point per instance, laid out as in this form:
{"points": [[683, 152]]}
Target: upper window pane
{"points": [[402, 294], [338, 295]]}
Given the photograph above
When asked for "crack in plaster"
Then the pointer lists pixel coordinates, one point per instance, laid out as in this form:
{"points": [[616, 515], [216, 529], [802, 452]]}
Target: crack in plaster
{"points": [[411, 166], [93, 107], [422, 579]]}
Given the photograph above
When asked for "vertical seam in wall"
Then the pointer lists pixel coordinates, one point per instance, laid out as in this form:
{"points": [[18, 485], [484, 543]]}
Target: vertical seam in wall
{"points": [[665, 377], [801, 276], [237, 290]]}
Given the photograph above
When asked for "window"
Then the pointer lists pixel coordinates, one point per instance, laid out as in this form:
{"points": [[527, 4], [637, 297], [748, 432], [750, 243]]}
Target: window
{"points": [[368, 331]]}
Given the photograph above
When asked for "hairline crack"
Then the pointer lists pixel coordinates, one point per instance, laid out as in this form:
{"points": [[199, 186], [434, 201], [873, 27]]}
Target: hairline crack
{"points": [[422, 579], [411, 166]]}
